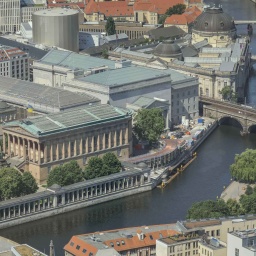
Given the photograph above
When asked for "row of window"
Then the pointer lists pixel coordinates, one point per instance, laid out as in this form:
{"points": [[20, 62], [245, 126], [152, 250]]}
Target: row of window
{"points": [[78, 248], [184, 94]]}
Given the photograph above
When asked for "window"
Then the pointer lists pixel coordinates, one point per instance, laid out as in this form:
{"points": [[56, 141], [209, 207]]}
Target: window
{"points": [[236, 252], [218, 232], [225, 83], [178, 103], [78, 247], [71, 244], [151, 237], [84, 251]]}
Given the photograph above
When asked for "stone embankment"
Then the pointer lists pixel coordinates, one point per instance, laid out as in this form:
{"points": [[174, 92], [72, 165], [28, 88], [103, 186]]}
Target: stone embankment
{"points": [[136, 178]]}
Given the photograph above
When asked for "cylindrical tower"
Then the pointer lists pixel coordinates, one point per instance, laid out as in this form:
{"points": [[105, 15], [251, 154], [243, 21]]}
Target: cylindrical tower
{"points": [[56, 27]]}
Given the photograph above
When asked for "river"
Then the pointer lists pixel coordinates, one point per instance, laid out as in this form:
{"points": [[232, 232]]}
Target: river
{"points": [[203, 179]]}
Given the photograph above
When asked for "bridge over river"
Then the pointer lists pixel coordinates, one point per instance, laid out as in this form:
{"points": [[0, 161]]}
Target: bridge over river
{"points": [[225, 111]]}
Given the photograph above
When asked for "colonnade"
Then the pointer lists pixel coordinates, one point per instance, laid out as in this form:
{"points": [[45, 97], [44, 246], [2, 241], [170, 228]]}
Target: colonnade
{"points": [[80, 192], [65, 147]]}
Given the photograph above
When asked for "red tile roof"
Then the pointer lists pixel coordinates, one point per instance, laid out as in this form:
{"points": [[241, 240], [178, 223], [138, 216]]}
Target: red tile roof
{"points": [[76, 246], [187, 17], [158, 6], [109, 8]]}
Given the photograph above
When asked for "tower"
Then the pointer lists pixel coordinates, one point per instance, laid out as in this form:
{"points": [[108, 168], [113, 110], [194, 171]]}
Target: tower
{"points": [[9, 16]]}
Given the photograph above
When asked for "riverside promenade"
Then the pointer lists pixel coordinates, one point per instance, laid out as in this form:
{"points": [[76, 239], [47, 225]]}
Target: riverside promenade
{"points": [[233, 191]]}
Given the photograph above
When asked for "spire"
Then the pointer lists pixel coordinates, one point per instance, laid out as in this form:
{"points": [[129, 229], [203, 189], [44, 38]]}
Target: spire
{"points": [[51, 249]]}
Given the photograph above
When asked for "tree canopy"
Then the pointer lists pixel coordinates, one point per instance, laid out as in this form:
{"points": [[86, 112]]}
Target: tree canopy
{"points": [[149, 124], [244, 167], [98, 167], [66, 174], [14, 184], [110, 26], [176, 9]]}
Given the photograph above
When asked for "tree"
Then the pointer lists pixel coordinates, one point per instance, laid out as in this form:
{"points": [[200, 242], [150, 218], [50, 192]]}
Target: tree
{"points": [[110, 26], [94, 168], [234, 207], [176, 9], [244, 167], [228, 94], [11, 184], [249, 190], [111, 163], [29, 184], [149, 124], [162, 19], [208, 209], [66, 174]]}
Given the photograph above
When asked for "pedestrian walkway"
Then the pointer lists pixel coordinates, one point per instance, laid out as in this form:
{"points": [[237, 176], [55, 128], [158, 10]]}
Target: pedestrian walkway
{"points": [[234, 191]]}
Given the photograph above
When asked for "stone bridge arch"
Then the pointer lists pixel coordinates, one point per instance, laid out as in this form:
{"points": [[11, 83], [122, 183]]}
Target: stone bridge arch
{"points": [[252, 128], [231, 120]]}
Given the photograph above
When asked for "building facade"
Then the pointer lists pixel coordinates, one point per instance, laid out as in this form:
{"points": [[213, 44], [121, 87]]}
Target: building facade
{"points": [[242, 243], [9, 16], [14, 63], [26, 12], [43, 142]]}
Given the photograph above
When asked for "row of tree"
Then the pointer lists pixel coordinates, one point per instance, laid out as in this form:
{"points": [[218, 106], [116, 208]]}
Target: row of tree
{"points": [[71, 172], [14, 184], [220, 208]]}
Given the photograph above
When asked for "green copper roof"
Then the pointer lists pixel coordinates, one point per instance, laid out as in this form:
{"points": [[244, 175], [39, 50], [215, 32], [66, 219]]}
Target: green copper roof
{"points": [[74, 60], [69, 119]]}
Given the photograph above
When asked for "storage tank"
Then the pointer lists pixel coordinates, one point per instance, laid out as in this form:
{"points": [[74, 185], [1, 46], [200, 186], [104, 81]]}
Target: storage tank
{"points": [[56, 27]]}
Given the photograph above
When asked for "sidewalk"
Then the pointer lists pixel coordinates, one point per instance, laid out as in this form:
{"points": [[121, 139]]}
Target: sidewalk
{"points": [[233, 191]]}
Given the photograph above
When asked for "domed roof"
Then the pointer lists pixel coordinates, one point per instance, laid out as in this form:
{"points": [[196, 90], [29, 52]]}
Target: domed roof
{"points": [[3, 105], [213, 19], [167, 48], [142, 165]]}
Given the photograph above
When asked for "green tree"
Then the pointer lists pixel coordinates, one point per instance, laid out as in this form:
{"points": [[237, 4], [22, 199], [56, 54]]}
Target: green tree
{"points": [[244, 167], [29, 184], [208, 209], [248, 203], [234, 207], [94, 168], [228, 94], [66, 174], [162, 19], [111, 164], [110, 26], [176, 9], [11, 184], [249, 190], [149, 124]]}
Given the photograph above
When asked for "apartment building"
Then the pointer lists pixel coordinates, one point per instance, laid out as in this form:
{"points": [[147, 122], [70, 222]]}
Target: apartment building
{"points": [[14, 63]]}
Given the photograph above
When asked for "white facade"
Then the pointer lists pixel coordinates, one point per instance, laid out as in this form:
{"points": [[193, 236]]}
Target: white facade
{"points": [[13, 63], [26, 30], [242, 243], [9, 16], [26, 12], [87, 40]]}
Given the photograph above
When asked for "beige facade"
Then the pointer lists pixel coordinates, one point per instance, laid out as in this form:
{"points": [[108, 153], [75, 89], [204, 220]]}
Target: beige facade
{"points": [[205, 249], [39, 154], [132, 30]]}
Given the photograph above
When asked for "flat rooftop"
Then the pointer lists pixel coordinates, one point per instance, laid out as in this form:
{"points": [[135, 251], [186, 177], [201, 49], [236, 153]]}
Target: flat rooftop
{"points": [[54, 12]]}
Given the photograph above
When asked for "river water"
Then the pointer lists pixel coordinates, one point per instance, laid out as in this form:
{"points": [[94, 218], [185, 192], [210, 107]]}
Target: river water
{"points": [[203, 179]]}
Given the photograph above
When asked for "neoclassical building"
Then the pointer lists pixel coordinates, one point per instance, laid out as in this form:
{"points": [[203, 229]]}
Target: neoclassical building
{"points": [[215, 26], [40, 143]]}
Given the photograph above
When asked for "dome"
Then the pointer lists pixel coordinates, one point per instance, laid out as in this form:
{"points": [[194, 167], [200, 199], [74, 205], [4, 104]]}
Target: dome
{"points": [[3, 105], [213, 19], [142, 165], [168, 48]]}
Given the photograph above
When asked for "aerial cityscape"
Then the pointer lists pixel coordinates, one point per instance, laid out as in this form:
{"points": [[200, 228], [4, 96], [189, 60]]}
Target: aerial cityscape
{"points": [[127, 127]]}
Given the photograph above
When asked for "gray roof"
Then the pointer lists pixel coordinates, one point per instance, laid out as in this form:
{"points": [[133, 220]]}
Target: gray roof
{"points": [[200, 44], [227, 66], [33, 52], [143, 101], [168, 48], [189, 51], [167, 32], [116, 37], [69, 119], [213, 19], [74, 60], [127, 75], [22, 92], [27, 26]]}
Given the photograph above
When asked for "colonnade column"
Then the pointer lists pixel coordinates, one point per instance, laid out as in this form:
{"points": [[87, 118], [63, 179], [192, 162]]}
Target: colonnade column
{"points": [[45, 153], [81, 145], [34, 151], [57, 151], [14, 144], [75, 146], [104, 140], [63, 150], [51, 152], [24, 150], [39, 153], [4, 143], [18, 146], [9, 144]]}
